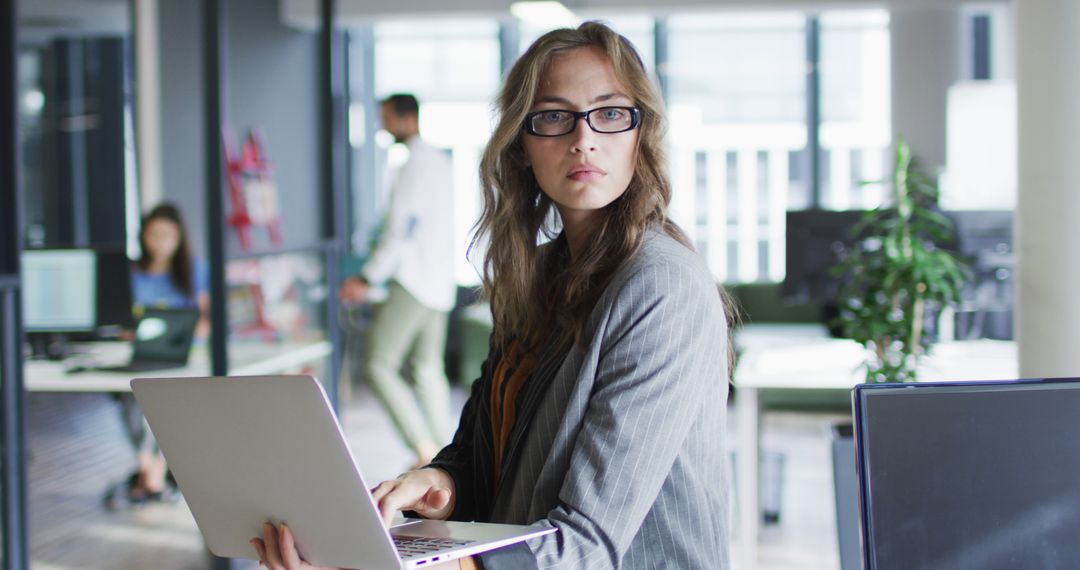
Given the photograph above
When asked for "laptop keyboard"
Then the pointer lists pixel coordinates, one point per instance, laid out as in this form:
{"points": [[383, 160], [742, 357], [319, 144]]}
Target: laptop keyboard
{"points": [[409, 546]]}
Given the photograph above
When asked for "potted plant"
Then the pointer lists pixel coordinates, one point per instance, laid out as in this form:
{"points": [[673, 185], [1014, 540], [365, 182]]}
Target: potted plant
{"points": [[896, 277]]}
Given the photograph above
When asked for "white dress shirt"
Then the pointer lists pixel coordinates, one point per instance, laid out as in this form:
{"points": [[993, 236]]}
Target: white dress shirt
{"points": [[416, 248]]}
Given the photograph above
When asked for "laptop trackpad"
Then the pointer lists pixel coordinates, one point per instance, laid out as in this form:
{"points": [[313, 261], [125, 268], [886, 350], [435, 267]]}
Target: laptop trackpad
{"points": [[398, 522]]}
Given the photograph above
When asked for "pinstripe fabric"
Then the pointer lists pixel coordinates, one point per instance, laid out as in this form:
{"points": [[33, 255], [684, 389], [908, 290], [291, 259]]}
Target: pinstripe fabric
{"points": [[619, 445]]}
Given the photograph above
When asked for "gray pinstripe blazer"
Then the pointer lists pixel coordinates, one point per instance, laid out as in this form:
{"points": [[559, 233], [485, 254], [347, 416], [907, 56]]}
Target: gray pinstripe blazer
{"points": [[619, 445]]}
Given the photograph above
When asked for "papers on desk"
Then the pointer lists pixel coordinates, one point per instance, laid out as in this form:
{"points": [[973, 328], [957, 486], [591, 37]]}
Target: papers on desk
{"points": [[960, 360], [819, 363]]}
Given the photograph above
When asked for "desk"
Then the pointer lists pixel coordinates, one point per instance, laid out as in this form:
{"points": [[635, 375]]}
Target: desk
{"points": [[804, 357], [247, 359]]}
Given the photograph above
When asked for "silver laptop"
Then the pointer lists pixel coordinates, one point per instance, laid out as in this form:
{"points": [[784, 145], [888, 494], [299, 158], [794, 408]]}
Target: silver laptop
{"points": [[245, 450]]}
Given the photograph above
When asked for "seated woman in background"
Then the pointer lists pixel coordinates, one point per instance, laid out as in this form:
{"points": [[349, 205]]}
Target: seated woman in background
{"points": [[165, 275], [600, 411]]}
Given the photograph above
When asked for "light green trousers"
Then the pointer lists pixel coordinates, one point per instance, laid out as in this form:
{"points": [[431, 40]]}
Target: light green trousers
{"points": [[405, 332]]}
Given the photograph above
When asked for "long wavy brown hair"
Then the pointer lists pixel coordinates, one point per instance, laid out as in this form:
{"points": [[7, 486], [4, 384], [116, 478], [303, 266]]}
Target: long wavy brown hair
{"points": [[537, 289]]}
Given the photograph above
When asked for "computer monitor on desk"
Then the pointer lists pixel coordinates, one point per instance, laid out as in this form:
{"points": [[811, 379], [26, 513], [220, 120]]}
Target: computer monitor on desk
{"points": [[817, 240], [59, 298], [969, 474], [80, 294], [985, 239], [59, 290], [114, 296]]}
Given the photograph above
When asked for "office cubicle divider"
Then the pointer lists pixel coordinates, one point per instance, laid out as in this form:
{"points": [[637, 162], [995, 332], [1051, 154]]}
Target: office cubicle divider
{"points": [[15, 549], [215, 96], [334, 128]]}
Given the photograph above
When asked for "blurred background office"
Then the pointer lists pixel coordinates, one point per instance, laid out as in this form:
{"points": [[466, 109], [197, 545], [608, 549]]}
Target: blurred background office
{"points": [[259, 120]]}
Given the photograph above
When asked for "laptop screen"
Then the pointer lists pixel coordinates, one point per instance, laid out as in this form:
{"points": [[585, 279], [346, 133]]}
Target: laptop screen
{"points": [[165, 335], [970, 475]]}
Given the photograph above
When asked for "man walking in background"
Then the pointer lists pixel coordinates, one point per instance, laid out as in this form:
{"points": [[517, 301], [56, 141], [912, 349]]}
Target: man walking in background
{"points": [[414, 258]]}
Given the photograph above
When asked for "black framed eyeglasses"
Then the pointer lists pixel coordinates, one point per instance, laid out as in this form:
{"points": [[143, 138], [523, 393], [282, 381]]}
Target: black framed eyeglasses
{"points": [[558, 122]]}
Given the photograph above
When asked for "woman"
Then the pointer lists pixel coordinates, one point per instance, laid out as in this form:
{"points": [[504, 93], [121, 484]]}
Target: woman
{"points": [[600, 411], [166, 275]]}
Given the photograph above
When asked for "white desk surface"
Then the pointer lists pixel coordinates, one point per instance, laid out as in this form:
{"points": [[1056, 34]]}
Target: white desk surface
{"points": [[779, 356], [805, 357], [245, 358]]}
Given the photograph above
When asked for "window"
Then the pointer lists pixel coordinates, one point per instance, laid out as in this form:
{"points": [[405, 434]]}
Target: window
{"points": [[855, 130], [737, 104], [639, 29], [736, 88]]}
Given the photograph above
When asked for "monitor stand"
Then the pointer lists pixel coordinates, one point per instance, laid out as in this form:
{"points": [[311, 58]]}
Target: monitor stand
{"points": [[50, 346]]}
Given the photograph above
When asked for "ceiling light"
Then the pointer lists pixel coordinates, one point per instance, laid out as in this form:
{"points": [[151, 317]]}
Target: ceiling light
{"points": [[543, 13]]}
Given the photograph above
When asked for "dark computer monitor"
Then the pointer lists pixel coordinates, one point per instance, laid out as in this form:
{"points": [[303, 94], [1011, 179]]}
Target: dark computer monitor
{"points": [[815, 242], [985, 239], [59, 290], [114, 298], [969, 475]]}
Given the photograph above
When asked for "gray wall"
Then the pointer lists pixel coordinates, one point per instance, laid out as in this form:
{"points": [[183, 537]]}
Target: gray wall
{"points": [[272, 85], [183, 170], [926, 59]]}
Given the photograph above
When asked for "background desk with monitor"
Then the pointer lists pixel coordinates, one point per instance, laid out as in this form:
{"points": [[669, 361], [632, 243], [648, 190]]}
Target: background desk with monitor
{"points": [[248, 358], [804, 357]]}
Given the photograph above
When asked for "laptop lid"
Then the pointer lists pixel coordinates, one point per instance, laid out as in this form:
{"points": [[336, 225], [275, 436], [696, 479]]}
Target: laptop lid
{"points": [[164, 335], [245, 450], [969, 474]]}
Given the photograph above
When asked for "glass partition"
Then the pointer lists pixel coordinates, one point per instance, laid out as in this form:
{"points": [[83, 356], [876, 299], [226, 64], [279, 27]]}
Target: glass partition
{"points": [[277, 314], [276, 211]]}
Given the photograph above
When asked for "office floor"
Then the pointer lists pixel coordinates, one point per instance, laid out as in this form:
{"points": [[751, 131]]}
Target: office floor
{"points": [[78, 448]]}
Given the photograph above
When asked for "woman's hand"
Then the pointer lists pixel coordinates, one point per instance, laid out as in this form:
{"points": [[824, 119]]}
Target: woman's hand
{"points": [[429, 492], [353, 291], [277, 550]]}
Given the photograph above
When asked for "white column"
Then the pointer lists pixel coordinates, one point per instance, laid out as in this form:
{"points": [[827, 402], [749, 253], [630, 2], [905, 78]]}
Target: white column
{"points": [[1048, 207], [148, 101]]}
